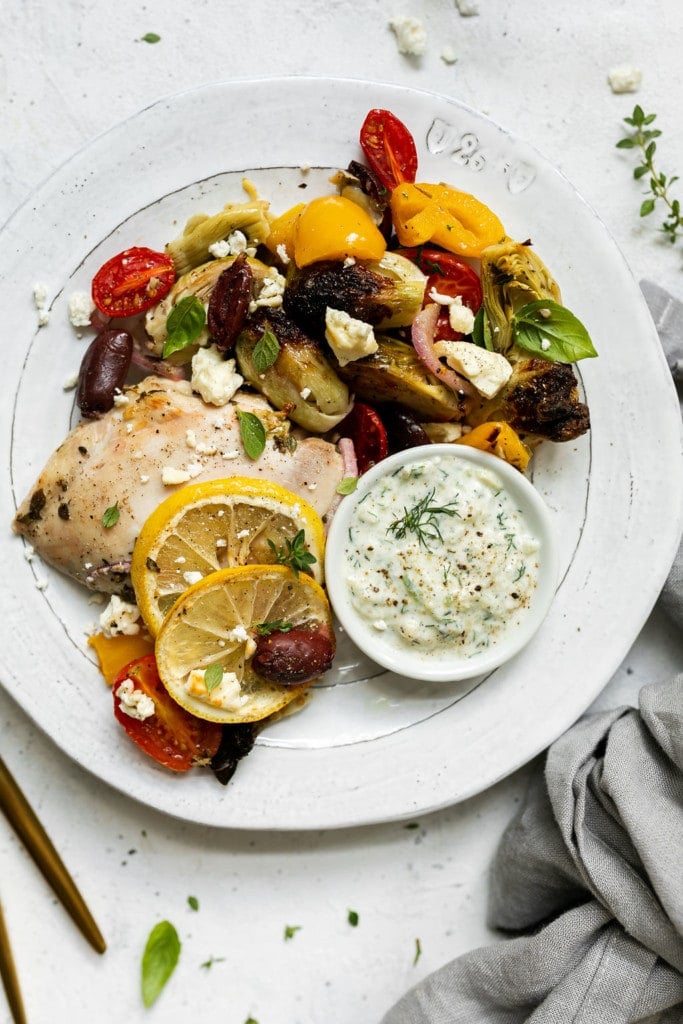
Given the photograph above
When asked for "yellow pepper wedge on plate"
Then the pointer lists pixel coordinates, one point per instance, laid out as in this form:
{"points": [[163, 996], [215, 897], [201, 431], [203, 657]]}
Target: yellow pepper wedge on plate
{"points": [[327, 228], [457, 221], [500, 439], [115, 652]]}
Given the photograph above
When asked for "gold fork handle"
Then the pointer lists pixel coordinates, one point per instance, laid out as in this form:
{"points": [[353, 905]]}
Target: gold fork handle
{"points": [[9, 975]]}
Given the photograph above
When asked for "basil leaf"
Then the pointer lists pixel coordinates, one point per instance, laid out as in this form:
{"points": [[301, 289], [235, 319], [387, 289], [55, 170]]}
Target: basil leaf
{"points": [[550, 331], [213, 677], [347, 485], [481, 330], [266, 351], [252, 432], [111, 516], [184, 324], [159, 960]]}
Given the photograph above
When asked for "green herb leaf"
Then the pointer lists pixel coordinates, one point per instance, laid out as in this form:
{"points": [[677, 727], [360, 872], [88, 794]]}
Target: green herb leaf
{"points": [[421, 520], [481, 330], [193, 902], [291, 930], [266, 351], [150, 37], [252, 432], [251, 1020], [353, 918], [276, 626], [642, 139], [295, 554], [111, 516], [213, 677], [159, 960], [647, 207], [184, 324], [211, 961], [347, 485], [550, 331], [418, 951]]}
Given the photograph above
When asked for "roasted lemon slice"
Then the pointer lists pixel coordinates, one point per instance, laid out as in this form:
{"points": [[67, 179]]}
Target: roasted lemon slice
{"points": [[218, 629], [219, 524]]}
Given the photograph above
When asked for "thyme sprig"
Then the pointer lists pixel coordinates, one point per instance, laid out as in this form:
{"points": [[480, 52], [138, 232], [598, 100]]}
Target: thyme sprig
{"points": [[294, 554], [643, 139], [422, 520]]}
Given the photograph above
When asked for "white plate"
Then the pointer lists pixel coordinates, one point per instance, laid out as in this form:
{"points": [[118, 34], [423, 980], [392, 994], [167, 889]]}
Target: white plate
{"points": [[369, 747]]}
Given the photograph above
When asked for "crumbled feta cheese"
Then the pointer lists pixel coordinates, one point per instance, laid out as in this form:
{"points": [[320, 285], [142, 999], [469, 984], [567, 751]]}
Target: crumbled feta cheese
{"points": [[271, 292], [206, 449], [233, 245], [120, 618], [411, 37], [40, 300], [624, 79], [227, 695], [134, 702], [242, 534], [221, 542], [282, 254], [171, 476], [380, 625], [545, 344], [350, 261], [180, 560], [460, 317], [487, 371], [190, 439], [213, 377], [305, 393], [81, 308], [194, 469], [349, 339], [120, 400], [70, 382], [192, 577], [448, 55], [232, 453], [29, 552], [466, 9], [41, 583], [144, 478]]}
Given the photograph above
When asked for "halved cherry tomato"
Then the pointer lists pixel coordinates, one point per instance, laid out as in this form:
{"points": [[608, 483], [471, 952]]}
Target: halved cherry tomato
{"points": [[448, 275], [171, 736], [132, 281], [389, 148], [365, 428]]}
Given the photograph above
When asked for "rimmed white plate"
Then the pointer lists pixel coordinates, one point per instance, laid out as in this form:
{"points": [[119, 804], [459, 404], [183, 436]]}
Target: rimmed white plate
{"points": [[369, 747]]}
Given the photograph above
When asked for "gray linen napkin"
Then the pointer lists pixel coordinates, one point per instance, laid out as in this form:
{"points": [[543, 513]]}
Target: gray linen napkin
{"points": [[589, 874]]}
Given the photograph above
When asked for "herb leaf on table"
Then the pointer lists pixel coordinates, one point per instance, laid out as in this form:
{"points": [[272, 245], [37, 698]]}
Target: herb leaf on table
{"points": [[643, 138]]}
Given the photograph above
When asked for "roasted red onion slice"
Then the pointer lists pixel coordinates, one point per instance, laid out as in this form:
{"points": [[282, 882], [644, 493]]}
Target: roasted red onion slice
{"points": [[422, 336]]}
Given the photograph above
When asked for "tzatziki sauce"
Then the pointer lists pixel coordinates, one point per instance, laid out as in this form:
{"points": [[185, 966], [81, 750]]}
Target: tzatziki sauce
{"points": [[439, 557]]}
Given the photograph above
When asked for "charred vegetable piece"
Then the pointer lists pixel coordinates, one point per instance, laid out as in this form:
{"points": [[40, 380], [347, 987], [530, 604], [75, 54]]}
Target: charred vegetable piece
{"points": [[386, 293], [229, 303], [541, 400], [300, 380], [501, 440], [395, 374], [103, 371], [192, 247], [512, 275], [368, 433]]}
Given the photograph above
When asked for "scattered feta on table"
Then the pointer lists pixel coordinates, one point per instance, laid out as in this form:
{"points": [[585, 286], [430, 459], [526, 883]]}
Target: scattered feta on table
{"points": [[624, 79], [466, 9], [411, 37], [81, 308], [40, 300], [349, 339]]}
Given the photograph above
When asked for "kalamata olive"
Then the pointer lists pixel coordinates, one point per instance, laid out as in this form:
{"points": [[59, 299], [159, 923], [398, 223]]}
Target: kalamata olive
{"points": [[296, 657], [103, 371], [403, 430], [229, 303], [236, 742]]}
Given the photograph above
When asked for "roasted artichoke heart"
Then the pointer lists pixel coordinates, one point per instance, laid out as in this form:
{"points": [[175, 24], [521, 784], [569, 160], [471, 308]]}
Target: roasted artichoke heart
{"points": [[395, 374], [301, 381], [199, 282], [386, 293], [540, 400], [511, 276]]}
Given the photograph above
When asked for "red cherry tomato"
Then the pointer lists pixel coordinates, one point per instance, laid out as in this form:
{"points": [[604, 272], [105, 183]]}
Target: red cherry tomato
{"points": [[368, 434], [171, 736], [132, 281], [448, 275], [389, 148]]}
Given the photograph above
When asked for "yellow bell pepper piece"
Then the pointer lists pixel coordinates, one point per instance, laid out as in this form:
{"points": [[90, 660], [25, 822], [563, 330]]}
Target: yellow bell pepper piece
{"points": [[115, 652], [282, 230], [457, 221], [500, 439], [332, 228]]}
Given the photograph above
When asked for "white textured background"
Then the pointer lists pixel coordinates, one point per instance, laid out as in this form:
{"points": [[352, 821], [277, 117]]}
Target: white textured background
{"points": [[71, 71]]}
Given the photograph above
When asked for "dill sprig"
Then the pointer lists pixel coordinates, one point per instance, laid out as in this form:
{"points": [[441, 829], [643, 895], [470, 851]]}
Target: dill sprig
{"points": [[643, 139], [422, 520]]}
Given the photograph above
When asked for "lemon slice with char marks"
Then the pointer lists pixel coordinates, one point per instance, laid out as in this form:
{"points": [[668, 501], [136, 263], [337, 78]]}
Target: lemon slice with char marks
{"points": [[219, 524], [209, 643]]}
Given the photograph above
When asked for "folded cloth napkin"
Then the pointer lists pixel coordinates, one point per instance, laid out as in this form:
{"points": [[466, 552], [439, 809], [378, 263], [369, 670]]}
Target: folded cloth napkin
{"points": [[589, 874]]}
